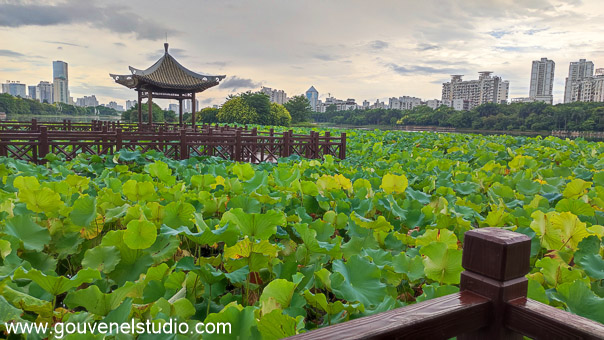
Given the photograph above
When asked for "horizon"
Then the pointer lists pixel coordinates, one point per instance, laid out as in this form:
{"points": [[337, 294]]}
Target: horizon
{"points": [[293, 46]]}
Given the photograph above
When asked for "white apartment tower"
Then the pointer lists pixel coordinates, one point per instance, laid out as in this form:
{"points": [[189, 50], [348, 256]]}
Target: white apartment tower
{"points": [[486, 89], [60, 80], [542, 80], [577, 71], [275, 96]]}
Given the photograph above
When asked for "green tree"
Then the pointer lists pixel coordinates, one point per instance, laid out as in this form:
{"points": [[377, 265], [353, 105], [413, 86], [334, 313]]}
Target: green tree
{"points": [[299, 109], [208, 115], [280, 115], [261, 103], [159, 115], [236, 110]]}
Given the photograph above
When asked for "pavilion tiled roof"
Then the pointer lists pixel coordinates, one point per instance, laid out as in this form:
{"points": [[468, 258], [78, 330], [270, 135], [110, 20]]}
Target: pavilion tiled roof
{"points": [[167, 74]]}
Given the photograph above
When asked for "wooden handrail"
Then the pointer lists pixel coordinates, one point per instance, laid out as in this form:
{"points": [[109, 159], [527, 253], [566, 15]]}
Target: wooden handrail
{"points": [[439, 318], [492, 303]]}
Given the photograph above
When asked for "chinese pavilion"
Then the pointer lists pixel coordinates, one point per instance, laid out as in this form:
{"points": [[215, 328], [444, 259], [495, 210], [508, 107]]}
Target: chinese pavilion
{"points": [[166, 79]]}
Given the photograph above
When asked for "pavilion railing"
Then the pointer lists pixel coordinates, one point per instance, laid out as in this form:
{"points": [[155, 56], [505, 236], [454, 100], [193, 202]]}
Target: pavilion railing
{"points": [[492, 303], [32, 142]]}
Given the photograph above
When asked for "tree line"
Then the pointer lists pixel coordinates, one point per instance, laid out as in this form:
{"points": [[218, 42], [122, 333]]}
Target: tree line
{"points": [[22, 106], [536, 116]]}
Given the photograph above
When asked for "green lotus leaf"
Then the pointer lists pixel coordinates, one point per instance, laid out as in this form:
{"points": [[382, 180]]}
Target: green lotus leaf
{"points": [[140, 234], [381, 224], [97, 302], [103, 259], [580, 300], [276, 325], [438, 235], [394, 184], [84, 211], [412, 267], [277, 295], [56, 285], [179, 214], [260, 226], [357, 280], [161, 171], [138, 191], [442, 264], [32, 236], [575, 206], [576, 188], [528, 187], [243, 324]]}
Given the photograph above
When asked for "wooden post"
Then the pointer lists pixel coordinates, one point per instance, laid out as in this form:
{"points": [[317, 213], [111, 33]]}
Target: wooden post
{"points": [[180, 112], [160, 141], [193, 110], [308, 148], [150, 107], [236, 156], [326, 146], [184, 147], [316, 146], [42, 144], [34, 124], [286, 144], [118, 139], [342, 145], [69, 125], [495, 262], [140, 109]]}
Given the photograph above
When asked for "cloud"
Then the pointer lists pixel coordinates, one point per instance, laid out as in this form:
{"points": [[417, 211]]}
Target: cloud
{"points": [[65, 43], [9, 53], [427, 47], [325, 57], [378, 45], [417, 69], [499, 34], [114, 18], [119, 44], [236, 83]]}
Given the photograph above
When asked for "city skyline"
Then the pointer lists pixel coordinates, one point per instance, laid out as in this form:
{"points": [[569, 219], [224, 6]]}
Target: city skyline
{"points": [[297, 45]]}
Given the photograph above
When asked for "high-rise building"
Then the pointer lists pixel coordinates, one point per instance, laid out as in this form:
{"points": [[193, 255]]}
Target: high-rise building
{"points": [[44, 92], [115, 106], [577, 71], [14, 88], [590, 89], [600, 72], [542, 80], [313, 97], [60, 79], [87, 101], [186, 106], [173, 107], [31, 90], [130, 104], [433, 103], [486, 89], [404, 103], [276, 96]]}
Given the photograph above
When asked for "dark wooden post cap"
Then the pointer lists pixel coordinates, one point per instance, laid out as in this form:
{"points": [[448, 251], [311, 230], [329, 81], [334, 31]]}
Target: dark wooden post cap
{"points": [[497, 253]]}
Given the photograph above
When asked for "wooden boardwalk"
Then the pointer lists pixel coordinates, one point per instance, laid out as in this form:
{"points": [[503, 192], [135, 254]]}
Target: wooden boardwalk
{"points": [[32, 141]]}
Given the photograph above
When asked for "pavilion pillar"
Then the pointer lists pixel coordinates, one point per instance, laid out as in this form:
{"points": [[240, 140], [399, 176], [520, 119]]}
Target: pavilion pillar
{"points": [[150, 104], [180, 112], [193, 110], [140, 108]]}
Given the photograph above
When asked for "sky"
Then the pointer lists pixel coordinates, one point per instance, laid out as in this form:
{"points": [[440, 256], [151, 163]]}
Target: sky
{"points": [[365, 50]]}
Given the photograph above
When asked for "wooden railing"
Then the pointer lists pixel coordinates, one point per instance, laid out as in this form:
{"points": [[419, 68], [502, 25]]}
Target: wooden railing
{"points": [[32, 142], [492, 303]]}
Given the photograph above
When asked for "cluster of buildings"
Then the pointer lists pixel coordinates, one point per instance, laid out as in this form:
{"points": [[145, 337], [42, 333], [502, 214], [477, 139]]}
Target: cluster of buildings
{"points": [[401, 103], [581, 85], [56, 91], [44, 92]]}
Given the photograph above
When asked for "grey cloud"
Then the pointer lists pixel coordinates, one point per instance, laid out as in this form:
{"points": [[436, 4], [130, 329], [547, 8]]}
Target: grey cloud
{"points": [[9, 53], [325, 57], [178, 53], [207, 101], [65, 43], [416, 69], [535, 30], [119, 44], [499, 34], [118, 19], [378, 45], [217, 63], [236, 83], [427, 47]]}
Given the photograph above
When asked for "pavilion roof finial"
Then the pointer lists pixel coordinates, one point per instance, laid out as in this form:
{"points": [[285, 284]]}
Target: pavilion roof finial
{"points": [[166, 47]]}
